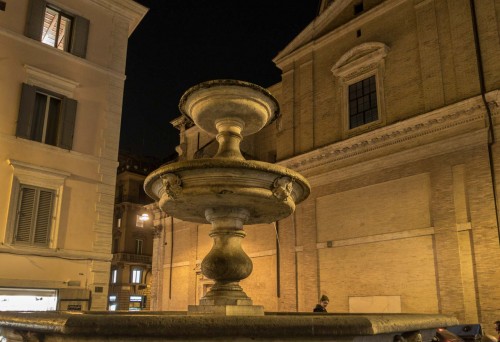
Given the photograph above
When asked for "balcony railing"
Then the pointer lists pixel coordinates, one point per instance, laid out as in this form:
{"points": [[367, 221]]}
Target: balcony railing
{"points": [[138, 258]]}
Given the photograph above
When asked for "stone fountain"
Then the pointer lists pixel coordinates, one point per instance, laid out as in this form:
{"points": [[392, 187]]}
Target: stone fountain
{"points": [[227, 190]]}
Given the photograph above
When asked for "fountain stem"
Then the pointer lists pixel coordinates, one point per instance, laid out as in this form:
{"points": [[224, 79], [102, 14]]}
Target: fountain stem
{"points": [[226, 263], [229, 138]]}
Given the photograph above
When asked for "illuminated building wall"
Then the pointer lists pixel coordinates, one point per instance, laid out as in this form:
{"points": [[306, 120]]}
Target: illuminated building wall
{"points": [[389, 113], [62, 67]]}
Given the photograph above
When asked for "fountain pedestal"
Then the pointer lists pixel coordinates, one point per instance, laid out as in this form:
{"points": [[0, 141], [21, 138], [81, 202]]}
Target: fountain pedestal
{"points": [[227, 263]]}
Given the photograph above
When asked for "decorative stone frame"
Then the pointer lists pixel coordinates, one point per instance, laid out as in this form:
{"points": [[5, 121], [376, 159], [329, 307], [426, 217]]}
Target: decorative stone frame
{"points": [[357, 64], [43, 79], [42, 177]]}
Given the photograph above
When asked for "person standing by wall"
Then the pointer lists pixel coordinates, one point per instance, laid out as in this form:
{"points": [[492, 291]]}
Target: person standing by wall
{"points": [[321, 306]]}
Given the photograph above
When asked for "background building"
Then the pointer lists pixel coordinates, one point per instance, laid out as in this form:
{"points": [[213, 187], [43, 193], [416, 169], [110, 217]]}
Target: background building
{"points": [[130, 279], [390, 109], [62, 67]]}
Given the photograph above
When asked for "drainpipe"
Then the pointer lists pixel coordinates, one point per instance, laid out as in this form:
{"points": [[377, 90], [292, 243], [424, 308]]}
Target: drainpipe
{"points": [[491, 132], [278, 260], [171, 257]]}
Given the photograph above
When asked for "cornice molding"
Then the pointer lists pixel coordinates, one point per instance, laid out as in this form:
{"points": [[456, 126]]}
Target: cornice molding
{"points": [[41, 78], [31, 169], [49, 149], [130, 10], [62, 54], [56, 253], [457, 117], [309, 40], [360, 59]]}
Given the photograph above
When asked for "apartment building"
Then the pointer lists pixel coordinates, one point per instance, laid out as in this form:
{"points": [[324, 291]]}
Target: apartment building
{"points": [[62, 67], [133, 232]]}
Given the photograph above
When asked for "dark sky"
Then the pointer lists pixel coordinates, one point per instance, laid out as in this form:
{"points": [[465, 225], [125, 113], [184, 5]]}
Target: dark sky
{"points": [[181, 43]]}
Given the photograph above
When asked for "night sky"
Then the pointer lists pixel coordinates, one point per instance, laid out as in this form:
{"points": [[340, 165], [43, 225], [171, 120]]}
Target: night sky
{"points": [[181, 43]]}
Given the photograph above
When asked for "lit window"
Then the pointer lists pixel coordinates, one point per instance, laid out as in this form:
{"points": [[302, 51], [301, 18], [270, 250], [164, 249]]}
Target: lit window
{"points": [[56, 29], [138, 246], [34, 216], [114, 276], [362, 102], [46, 117], [135, 303], [52, 26], [112, 306], [136, 276]]}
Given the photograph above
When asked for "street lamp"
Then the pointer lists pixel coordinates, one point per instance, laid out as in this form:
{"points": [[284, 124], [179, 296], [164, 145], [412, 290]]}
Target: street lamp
{"points": [[144, 217]]}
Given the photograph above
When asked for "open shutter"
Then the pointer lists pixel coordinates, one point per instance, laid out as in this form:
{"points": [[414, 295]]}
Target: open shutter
{"points": [[34, 22], [43, 217], [68, 116], [26, 111], [79, 37], [26, 209]]}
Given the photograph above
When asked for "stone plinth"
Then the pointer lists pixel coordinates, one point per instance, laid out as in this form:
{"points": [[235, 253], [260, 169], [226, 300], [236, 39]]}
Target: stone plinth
{"points": [[226, 309], [163, 326]]}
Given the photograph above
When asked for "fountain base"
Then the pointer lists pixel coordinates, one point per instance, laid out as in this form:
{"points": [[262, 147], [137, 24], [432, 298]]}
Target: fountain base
{"points": [[226, 310]]}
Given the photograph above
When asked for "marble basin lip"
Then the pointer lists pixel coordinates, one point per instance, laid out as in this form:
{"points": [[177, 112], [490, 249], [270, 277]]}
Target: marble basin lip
{"points": [[119, 326], [209, 101], [250, 188]]}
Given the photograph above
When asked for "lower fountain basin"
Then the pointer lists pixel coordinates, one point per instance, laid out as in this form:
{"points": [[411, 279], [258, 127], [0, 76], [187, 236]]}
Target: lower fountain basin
{"points": [[177, 326], [187, 189]]}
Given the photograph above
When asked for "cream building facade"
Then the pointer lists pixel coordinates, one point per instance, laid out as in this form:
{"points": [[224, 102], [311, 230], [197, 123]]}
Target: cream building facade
{"points": [[62, 67], [390, 110]]}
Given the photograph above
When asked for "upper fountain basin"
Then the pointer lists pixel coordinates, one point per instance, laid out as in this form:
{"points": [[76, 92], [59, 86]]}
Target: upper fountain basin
{"points": [[186, 189], [246, 104]]}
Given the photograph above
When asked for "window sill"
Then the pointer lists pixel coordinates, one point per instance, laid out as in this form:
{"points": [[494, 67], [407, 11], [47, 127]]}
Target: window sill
{"points": [[363, 129]]}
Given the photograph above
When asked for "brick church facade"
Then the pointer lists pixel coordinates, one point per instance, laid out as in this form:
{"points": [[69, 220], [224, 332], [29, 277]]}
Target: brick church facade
{"points": [[390, 110]]}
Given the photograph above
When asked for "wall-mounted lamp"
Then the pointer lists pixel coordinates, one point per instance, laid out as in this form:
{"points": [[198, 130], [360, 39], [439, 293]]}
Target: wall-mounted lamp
{"points": [[144, 217]]}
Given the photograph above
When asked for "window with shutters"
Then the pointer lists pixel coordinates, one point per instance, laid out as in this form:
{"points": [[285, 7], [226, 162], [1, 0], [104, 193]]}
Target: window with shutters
{"points": [[35, 206], [34, 216], [53, 26], [46, 117]]}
